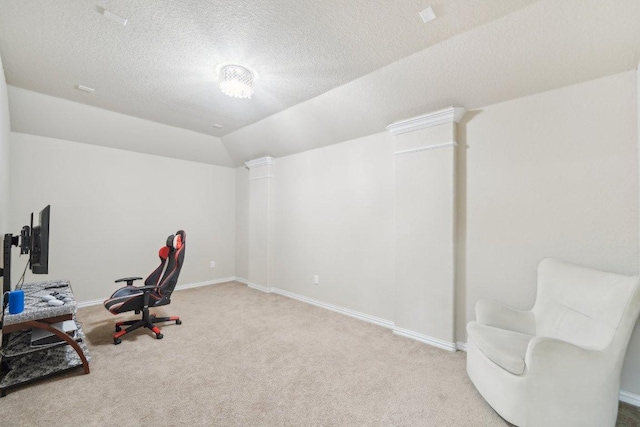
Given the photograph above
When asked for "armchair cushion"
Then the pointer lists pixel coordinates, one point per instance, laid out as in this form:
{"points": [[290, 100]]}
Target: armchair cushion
{"points": [[505, 348], [580, 305]]}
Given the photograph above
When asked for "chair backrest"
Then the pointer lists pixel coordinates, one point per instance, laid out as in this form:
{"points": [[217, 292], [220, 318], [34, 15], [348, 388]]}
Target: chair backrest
{"points": [[154, 278], [584, 306], [174, 255]]}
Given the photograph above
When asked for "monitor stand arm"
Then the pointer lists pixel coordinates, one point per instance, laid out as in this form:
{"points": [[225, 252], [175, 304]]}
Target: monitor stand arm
{"points": [[9, 240]]}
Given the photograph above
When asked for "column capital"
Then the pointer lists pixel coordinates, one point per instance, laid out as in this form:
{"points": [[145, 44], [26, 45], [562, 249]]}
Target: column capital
{"points": [[447, 115], [262, 161]]}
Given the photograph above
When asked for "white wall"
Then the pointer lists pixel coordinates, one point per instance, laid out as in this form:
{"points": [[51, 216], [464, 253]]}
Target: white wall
{"points": [[242, 222], [4, 154], [552, 174], [333, 217], [111, 210]]}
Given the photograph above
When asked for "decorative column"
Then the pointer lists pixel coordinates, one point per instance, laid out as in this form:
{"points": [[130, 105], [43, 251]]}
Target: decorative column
{"points": [[425, 160], [260, 221]]}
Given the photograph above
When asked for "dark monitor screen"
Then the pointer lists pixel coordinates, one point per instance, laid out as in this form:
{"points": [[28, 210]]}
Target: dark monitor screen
{"points": [[39, 257]]}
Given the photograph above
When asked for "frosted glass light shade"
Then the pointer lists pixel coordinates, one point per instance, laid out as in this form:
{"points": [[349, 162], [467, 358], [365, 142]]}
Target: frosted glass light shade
{"points": [[236, 81]]}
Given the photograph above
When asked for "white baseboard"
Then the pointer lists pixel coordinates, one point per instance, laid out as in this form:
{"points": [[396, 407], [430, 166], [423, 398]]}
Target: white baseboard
{"points": [[347, 312], [253, 285], [630, 398], [445, 345], [625, 396], [259, 288], [90, 303], [256, 286], [205, 283], [178, 288], [449, 346]]}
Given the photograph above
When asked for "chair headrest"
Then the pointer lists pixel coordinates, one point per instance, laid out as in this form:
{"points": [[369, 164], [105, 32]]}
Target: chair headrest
{"points": [[177, 241], [163, 253], [174, 241]]}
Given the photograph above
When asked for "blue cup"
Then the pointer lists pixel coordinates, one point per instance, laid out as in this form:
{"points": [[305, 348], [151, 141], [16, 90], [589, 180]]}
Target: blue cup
{"points": [[16, 301]]}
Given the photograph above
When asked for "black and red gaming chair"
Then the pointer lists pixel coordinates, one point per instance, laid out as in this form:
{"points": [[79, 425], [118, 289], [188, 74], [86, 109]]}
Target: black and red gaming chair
{"points": [[156, 291]]}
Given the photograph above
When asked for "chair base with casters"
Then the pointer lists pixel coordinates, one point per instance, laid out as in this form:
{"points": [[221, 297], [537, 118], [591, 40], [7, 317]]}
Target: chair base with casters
{"points": [[148, 321], [156, 292]]}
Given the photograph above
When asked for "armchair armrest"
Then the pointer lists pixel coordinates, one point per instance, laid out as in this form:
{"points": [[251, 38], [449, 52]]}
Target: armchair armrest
{"points": [[129, 280], [492, 313], [557, 358]]}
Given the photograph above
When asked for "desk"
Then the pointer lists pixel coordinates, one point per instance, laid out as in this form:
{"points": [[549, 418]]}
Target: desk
{"points": [[23, 363]]}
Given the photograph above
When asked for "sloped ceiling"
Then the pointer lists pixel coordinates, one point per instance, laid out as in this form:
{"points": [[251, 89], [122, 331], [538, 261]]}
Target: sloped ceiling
{"points": [[548, 45], [328, 71]]}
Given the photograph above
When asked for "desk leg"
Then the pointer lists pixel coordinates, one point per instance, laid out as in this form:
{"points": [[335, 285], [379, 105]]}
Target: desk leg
{"points": [[63, 336]]}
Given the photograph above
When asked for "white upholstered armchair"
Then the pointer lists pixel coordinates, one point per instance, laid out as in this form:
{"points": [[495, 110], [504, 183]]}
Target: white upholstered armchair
{"points": [[558, 364]]}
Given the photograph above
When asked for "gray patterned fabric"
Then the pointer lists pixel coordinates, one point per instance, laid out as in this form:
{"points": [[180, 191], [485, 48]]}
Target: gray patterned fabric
{"points": [[35, 308], [27, 363]]}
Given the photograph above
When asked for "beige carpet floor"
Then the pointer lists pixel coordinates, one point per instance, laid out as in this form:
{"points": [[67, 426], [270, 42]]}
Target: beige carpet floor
{"points": [[246, 358]]}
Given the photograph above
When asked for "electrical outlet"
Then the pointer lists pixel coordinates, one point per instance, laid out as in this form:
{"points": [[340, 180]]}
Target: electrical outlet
{"points": [[213, 264], [316, 280]]}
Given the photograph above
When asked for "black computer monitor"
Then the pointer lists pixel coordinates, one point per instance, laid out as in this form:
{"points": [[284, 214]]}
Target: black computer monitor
{"points": [[39, 247], [33, 240]]}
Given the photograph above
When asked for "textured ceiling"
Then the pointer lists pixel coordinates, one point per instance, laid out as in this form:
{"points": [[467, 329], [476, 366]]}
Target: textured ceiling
{"points": [[328, 71], [162, 65], [548, 45]]}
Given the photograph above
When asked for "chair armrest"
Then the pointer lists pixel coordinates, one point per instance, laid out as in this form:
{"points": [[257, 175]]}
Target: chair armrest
{"points": [[492, 313], [554, 357], [129, 280]]}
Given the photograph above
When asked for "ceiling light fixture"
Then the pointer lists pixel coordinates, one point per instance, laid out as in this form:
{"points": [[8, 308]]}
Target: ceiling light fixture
{"points": [[236, 81]]}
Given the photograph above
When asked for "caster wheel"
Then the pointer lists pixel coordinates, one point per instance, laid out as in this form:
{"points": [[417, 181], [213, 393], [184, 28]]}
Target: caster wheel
{"points": [[117, 341], [118, 328], [159, 336], [178, 322]]}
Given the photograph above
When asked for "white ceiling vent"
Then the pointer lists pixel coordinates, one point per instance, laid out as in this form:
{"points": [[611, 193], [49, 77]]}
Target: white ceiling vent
{"points": [[427, 15], [86, 88]]}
